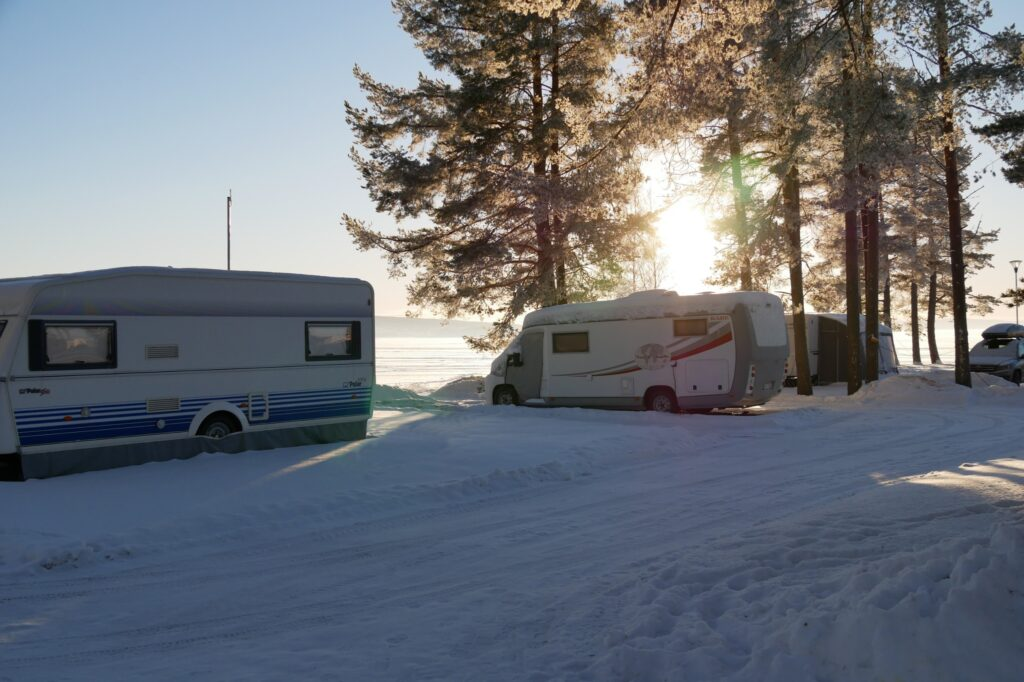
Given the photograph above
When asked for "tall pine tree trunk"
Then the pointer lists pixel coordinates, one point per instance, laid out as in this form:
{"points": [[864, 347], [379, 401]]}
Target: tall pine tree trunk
{"points": [[871, 288], [956, 239], [887, 299], [558, 227], [853, 381], [885, 273], [915, 325], [933, 294], [739, 199], [542, 202], [791, 211], [851, 199]]}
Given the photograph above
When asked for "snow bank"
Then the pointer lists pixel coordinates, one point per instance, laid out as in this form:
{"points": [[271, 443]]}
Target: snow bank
{"points": [[392, 397], [937, 387], [463, 389]]}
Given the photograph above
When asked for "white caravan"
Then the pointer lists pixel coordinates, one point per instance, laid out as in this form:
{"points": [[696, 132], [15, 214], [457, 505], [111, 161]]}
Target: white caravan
{"points": [[652, 350], [124, 366], [827, 344]]}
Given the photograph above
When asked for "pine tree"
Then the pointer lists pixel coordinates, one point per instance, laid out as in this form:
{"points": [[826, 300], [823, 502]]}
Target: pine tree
{"points": [[514, 156], [961, 65]]}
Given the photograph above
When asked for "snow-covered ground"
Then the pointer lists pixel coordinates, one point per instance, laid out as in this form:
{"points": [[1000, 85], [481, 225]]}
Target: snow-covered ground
{"points": [[876, 537]]}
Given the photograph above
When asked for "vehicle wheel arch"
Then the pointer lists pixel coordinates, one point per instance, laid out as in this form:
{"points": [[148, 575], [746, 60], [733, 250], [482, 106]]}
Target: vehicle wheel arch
{"points": [[214, 408], [654, 391], [508, 389]]}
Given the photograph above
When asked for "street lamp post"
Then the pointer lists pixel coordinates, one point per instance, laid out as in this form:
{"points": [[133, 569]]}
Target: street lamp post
{"points": [[1016, 298]]}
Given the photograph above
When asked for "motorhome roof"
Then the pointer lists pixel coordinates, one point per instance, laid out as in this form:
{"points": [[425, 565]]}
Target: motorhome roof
{"points": [[180, 291], [645, 305]]}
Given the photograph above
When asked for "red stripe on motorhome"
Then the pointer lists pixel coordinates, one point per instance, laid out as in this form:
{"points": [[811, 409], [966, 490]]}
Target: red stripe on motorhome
{"points": [[715, 343]]}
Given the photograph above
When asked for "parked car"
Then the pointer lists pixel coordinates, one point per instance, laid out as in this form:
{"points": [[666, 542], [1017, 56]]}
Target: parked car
{"points": [[1000, 352]]}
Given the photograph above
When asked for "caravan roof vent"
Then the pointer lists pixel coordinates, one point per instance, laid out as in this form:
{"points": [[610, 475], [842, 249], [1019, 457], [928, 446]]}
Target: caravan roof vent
{"points": [[1003, 331], [162, 351]]}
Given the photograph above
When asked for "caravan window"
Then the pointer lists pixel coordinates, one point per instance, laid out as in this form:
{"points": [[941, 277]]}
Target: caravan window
{"points": [[71, 345], [693, 327], [332, 341], [572, 342]]}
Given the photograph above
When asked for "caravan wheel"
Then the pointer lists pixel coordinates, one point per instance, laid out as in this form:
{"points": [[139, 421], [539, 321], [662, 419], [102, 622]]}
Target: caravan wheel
{"points": [[662, 400], [218, 426]]}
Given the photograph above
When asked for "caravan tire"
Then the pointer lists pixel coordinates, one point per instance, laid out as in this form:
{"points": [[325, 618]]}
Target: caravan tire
{"points": [[661, 400], [218, 426], [505, 395]]}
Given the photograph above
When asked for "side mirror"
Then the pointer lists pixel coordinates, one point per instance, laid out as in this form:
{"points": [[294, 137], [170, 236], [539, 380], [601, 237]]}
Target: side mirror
{"points": [[515, 360]]}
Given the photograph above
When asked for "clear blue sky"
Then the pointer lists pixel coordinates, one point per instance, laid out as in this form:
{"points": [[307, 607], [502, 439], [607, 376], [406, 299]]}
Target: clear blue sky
{"points": [[124, 122]]}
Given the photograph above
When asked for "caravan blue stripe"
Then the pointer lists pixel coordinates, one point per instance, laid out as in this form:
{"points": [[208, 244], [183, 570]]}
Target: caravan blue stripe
{"points": [[179, 422], [87, 424], [124, 409], [238, 396]]}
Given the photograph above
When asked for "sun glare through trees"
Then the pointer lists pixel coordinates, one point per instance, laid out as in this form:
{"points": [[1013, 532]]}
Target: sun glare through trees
{"points": [[686, 245]]}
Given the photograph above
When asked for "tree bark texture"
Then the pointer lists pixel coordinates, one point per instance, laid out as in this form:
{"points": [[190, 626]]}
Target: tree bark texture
{"points": [[933, 293], [791, 211], [542, 204], [870, 217], [739, 200], [853, 381], [956, 239], [915, 326]]}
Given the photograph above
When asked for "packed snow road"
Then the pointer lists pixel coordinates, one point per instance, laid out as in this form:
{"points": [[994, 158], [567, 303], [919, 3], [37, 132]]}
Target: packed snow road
{"points": [[832, 538]]}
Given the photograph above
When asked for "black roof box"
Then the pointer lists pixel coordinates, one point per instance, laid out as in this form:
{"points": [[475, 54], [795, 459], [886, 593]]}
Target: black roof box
{"points": [[1003, 331]]}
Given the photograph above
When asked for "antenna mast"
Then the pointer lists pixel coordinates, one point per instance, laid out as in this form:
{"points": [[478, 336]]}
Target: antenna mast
{"points": [[229, 229]]}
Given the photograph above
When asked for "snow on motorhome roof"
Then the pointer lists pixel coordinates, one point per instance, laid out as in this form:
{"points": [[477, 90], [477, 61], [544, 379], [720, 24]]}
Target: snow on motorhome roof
{"points": [[646, 304]]}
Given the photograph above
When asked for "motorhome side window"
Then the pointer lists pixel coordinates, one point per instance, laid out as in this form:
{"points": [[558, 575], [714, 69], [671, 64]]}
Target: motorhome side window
{"points": [[691, 327], [332, 341], [71, 345], [571, 342]]}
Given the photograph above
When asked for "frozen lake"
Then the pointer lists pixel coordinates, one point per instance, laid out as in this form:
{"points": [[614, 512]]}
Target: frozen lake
{"points": [[424, 355]]}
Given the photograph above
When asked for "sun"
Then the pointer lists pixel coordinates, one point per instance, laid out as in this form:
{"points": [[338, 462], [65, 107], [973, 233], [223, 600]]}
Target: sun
{"points": [[688, 245]]}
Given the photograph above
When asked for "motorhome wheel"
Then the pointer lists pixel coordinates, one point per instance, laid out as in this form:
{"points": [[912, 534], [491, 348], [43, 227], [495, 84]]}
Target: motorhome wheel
{"points": [[505, 395], [662, 400]]}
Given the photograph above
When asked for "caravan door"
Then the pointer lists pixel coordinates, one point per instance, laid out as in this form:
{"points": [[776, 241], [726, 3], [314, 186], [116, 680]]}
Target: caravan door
{"points": [[525, 376]]}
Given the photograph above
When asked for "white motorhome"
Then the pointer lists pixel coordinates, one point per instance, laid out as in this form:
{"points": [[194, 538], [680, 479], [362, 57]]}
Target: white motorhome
{"points": [[652, 350], [827, 348], [130, 365]]}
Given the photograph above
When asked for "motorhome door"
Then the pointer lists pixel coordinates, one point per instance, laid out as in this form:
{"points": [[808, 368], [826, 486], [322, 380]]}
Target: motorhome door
{"points": [[525, 376]]}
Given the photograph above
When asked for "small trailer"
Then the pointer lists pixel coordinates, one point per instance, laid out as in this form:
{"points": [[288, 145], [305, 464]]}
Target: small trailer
{"points": [[827, 346], [653, 350], [131, 365]]}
